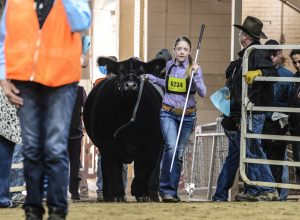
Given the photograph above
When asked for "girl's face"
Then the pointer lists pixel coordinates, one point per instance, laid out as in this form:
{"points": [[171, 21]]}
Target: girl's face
{"points": [[181, 51]]}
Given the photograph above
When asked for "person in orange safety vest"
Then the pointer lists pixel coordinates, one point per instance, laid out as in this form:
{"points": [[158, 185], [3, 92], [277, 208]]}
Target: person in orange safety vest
{"points": [[40, 51]]}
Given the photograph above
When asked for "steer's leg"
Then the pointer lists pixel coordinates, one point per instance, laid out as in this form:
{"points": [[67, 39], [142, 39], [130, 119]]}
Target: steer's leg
{"points": [[113, 189], [154, 178], [144, 169]]}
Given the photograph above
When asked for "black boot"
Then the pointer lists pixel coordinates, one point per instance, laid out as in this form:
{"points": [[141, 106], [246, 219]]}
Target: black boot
{"points": [[34, 213], [56, 214], [75, 197]]}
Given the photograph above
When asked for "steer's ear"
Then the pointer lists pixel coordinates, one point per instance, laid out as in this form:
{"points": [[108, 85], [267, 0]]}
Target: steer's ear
{"points": [[155, 66], [111, 65]]}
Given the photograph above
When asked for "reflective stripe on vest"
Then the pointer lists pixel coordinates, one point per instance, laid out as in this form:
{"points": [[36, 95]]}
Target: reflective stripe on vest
{"points": [[51, 55]]}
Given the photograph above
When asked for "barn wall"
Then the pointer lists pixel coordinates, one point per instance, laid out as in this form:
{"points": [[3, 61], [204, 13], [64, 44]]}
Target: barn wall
{"points": [[169, 19]]}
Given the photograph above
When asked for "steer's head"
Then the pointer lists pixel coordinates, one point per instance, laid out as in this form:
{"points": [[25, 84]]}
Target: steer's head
{"points": [[129, 72]]}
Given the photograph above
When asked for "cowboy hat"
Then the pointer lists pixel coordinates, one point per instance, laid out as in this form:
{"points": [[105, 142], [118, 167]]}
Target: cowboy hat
{"points": [[253, 27]]}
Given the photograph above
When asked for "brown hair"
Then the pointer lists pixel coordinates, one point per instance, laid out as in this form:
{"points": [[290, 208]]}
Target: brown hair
{"points": [[189, 69]]}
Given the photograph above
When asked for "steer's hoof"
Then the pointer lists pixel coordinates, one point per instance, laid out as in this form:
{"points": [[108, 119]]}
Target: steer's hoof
{"points": [[119, 199], [154, 198], [142, 198]]}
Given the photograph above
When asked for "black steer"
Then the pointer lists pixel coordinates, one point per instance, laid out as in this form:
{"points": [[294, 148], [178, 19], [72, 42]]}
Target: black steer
{"points": [[121, 116]]}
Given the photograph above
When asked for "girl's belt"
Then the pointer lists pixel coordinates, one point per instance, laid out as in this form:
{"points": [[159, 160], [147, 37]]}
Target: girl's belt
{"points": [[178, 111]]}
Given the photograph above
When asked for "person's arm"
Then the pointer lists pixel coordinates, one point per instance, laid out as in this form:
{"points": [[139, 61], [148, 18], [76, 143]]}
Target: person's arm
{"points": [[260, 64], [2, 38], [9, 88], [263, 62], [156, 80], [83, 61], [79, 14], [199, 82]]}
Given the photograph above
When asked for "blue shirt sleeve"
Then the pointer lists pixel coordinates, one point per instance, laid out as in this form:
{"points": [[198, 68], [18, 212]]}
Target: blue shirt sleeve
{"points": [[2, 38], [79, 14]]}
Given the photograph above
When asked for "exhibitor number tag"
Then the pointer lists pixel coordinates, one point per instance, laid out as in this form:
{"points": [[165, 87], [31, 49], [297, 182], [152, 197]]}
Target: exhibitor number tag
{"points": [[177, 84]]}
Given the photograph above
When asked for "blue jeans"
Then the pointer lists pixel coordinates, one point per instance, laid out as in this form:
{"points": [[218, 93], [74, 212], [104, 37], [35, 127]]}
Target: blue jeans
{"points": [[168, 182], [16, 176], [230, 167], [45, 121], [6, 154], [257, 172], [284, 192], [99, 182], [296, 156]]}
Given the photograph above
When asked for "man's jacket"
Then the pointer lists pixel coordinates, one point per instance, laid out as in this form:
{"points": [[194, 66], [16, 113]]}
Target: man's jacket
{"points": [[294, 102], [49, 55], [259, 93]]}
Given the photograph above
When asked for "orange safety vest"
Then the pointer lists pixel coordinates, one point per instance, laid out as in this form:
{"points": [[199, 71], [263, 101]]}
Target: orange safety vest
{"points": [[51, 55]]}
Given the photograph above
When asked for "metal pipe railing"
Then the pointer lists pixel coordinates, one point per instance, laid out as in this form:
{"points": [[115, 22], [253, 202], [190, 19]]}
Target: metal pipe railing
{"points": [[246, 107]]}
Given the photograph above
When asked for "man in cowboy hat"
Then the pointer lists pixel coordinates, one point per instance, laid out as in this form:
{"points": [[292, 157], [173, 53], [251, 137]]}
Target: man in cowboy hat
{"points": [[260, 94]]}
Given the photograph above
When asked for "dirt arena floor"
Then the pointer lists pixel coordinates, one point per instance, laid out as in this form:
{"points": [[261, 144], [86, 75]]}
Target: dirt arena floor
{"points": [[185, 210]]}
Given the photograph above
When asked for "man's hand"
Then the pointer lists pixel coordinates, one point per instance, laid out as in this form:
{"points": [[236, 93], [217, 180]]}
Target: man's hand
{"points": [[11, 92], [250, 75]]}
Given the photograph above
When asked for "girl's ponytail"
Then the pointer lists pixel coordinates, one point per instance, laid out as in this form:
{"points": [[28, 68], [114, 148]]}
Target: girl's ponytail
{"points": [[188, 72]]}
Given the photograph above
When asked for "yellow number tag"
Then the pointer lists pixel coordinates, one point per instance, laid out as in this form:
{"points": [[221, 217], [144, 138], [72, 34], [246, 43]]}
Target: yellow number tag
{"points": [[177, 84]]}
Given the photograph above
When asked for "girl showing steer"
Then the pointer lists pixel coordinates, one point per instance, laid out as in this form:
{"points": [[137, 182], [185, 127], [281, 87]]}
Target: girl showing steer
{"points": [[176, 85]]}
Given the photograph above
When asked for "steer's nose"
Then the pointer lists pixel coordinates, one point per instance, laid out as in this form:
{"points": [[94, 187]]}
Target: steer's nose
{"points": [[130, 85]]}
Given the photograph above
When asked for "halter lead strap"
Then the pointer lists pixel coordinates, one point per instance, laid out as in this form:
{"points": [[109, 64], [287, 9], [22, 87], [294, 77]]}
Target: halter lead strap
{"points": [[134, 111]]}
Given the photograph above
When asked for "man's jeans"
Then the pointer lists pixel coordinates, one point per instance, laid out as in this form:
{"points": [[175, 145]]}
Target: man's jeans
{"points": [[276, 150], [296, 150], [296, 156], [99, 182], [230, 166], [6, 154], [255, 172], [284, 192], [45, 120], [168, 182]]}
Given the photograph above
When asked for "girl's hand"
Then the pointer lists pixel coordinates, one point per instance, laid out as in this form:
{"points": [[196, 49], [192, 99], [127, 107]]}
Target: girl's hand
{"points": [[195, 67]]}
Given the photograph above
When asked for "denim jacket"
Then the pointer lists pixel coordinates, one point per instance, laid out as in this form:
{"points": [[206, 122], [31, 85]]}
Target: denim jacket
{"points": [[282, 89]]}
